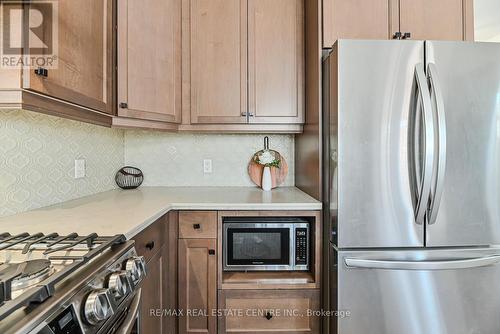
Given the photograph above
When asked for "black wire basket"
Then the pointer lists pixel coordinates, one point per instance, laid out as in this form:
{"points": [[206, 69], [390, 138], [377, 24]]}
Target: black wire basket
{"points": [[129, 177]]}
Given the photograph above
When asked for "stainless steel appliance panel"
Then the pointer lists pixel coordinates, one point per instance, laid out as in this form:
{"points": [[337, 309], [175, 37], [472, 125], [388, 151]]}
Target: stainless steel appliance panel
{"points": [[372, 85], [414, 292], [468, 212]]}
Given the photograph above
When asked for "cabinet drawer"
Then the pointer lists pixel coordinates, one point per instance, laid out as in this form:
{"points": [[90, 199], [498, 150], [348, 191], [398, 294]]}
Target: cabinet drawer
{"points": [[198, 224], [149, 241], [288, 308]]}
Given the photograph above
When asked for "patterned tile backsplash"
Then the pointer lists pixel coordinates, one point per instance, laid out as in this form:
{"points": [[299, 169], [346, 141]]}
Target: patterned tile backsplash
{"points": [[177, 159], [37, 154]]}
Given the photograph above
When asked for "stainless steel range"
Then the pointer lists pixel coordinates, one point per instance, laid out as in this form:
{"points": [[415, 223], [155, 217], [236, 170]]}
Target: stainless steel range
{"points": [[51, 284]]}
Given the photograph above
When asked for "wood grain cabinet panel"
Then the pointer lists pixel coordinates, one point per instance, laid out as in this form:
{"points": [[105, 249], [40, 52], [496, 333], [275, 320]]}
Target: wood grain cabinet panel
{"points": [[152, 295], [84, 72], [381, 19], [150, 240], [149, 59], [169, 281], [216, 56], [198, 224], [356, 19], [197, 285], [272, 311], [430, 19], [276, 61], [159, 288]]}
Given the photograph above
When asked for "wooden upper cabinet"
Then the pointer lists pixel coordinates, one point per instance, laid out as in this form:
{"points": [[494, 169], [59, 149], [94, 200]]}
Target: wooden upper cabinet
{"points": [[431, 19], [382, 19], [215, 50], [276, 61], [358, 19], [84, 71], [149, 59]]}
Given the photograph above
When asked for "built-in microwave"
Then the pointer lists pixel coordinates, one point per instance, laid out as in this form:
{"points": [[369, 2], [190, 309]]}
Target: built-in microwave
{"points": [[265, 244]]}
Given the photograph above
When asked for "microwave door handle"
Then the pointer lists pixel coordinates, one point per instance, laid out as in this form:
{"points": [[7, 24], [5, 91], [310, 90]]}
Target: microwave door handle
{"points": [[440, 142], [452, 264], [424, 186]]}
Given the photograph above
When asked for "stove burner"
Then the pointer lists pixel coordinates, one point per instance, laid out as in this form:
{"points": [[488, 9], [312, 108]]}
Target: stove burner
{"points": [[52, 260], [32, 272]]}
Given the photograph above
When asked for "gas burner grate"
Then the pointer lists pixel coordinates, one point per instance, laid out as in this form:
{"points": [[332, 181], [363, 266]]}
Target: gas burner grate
{"points": [[50, 244]]}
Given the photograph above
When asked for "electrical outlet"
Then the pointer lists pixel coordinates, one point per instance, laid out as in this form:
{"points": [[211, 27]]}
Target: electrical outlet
{"points": [[207, 166], [79, 168]]}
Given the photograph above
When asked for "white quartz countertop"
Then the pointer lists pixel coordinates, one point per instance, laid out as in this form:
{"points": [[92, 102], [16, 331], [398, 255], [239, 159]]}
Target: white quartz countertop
{"points": [[130, 211]]}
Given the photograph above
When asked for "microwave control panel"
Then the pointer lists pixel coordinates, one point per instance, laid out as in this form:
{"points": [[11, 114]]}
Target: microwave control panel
{"points": [[301, 246]]}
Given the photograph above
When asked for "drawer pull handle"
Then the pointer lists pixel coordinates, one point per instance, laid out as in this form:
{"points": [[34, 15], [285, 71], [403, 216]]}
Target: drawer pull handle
{"points": [[268, 316], [211, 252], [150, 245], [196, 226]]}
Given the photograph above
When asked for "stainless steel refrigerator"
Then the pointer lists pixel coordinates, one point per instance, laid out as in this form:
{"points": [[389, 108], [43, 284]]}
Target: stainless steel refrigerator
{"points": [[412, 165]]}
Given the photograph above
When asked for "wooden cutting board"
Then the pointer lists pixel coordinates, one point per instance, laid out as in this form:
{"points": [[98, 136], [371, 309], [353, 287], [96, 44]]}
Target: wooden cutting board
{"points": [[278, 175]]}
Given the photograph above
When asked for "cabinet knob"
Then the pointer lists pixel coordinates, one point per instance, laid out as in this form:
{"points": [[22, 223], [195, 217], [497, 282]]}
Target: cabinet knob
{"points": [[397, 35], [196, 226], [269, 316], [407, 35], [150, 245], [211, 252], [43, 72], [124, 105]]}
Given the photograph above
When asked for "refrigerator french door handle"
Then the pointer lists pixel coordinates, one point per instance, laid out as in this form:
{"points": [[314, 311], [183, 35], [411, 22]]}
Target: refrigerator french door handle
{"points": [[424, 187], [451, 264], [437, 192]]}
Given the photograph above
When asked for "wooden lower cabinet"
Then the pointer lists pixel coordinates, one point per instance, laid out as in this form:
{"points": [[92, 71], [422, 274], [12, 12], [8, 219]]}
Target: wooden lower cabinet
{"points": [[158, 244], [152, 296], [268, 311], [197, 285], [213, 301], [169, 292]]}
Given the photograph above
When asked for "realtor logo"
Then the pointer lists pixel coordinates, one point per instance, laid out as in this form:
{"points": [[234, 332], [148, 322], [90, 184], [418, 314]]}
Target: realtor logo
{"points": [[29, 33]]}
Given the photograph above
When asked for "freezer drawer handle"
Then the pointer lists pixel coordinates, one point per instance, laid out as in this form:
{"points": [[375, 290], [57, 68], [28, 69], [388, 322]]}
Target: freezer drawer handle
{"points": [[423, 265]]}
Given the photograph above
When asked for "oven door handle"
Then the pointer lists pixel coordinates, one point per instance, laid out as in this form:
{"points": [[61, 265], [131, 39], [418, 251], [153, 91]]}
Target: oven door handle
{"points": [[129, 322]]}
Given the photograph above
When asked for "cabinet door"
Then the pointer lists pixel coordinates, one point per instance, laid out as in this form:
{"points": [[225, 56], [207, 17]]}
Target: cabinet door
{"points": [[149, 59], [431, 19], [276, 61], [269, 311], [152, 297], [84, 71], [358, 19], [197, 285], [215, 56], [170, 272]]}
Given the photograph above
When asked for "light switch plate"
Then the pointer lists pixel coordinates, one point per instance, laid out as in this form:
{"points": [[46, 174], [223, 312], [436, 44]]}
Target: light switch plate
{"points": [[207, 166], [79, 168]]}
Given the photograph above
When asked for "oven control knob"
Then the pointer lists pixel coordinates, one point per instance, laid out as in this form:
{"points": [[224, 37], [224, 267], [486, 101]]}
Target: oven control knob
{"points": [[136, 266], [119, 284], [98, 306]]}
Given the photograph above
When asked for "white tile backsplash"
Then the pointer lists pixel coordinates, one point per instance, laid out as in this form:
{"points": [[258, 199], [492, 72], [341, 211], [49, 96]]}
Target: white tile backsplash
{"points": [[38, 152], [177, 159], [37, 158]]}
